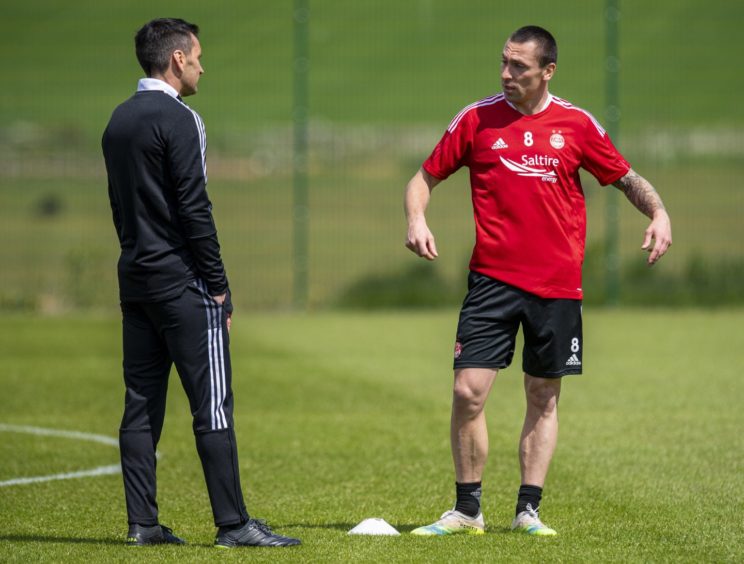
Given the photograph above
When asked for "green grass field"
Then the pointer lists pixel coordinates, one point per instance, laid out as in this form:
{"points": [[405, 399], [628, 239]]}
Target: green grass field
{"points": [[341, 417], [344, 416]]}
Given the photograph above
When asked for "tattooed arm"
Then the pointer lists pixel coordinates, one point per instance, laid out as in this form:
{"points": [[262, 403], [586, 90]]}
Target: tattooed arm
{"points": [[643, 196]]}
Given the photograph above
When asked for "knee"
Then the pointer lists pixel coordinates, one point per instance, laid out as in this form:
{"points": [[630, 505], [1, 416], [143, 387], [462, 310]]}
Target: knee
{"points": [[542, 395], [467, 400]]}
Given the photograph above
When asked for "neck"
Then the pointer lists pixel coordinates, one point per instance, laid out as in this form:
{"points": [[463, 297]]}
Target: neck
{"points": [[170, 79], [535, 105]]}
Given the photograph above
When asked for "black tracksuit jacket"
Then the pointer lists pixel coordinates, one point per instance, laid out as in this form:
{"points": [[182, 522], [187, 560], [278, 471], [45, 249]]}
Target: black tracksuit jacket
{"points": [[155, 147]]}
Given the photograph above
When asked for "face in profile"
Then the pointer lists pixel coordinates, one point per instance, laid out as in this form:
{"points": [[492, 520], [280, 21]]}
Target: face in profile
{"points": [[192, 69]]}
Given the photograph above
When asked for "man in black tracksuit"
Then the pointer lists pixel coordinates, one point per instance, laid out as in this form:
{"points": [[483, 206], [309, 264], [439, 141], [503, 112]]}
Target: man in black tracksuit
{"points": [[175, 298]]}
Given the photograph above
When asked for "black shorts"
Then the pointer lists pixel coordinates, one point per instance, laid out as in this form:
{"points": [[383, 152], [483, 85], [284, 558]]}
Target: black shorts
{"points": [[489, 321]]}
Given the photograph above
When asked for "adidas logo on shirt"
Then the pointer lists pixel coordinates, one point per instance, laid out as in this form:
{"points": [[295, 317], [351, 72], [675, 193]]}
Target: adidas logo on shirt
{"points": [[500, 144], [573, 361]]}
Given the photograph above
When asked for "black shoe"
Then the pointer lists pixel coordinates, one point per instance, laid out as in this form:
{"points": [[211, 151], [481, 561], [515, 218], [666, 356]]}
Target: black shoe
{"points": [[157, 534], [253, 532]]}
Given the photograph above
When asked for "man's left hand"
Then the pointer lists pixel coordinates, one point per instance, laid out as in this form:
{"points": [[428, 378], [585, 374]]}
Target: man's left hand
{"points": [[660, 232], [220, 300]]}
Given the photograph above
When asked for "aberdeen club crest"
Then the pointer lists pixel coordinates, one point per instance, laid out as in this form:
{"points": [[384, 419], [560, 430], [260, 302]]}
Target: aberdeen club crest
{"points": [[557, 141]]}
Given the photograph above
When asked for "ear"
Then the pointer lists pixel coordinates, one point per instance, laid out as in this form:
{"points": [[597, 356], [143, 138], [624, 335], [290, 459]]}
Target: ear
{"points": [[178, 61], [548, 71]]}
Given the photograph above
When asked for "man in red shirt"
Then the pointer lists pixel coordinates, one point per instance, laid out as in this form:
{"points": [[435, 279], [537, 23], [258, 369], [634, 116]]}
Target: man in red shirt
{"points": [[524, 148]]}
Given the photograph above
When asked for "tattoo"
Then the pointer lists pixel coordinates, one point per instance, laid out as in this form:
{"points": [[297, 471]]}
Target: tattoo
{"points": [[640, 193]]}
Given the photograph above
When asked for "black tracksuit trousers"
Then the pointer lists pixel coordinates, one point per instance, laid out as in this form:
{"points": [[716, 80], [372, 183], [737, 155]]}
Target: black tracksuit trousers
{"points": [[191, 332]]}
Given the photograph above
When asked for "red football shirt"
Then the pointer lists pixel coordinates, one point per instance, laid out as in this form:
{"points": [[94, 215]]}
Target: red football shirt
{"points": [[528, 203]]}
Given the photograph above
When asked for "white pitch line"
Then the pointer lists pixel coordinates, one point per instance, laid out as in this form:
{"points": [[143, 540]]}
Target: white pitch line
{"points": [[103, 439], [41, 431], [100, 471]]}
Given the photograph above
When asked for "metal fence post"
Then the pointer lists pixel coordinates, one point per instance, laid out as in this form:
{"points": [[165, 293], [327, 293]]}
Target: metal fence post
{"points": [[612, 116], [300, 111]]}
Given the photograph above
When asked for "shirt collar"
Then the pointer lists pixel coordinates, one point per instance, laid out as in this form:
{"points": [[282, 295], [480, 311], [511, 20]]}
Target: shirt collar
{"points": [[156, 84], [541, 109]]}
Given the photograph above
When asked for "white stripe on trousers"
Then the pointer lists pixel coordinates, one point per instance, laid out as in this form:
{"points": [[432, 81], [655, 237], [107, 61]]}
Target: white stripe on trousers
{"points": [[215, 345]]}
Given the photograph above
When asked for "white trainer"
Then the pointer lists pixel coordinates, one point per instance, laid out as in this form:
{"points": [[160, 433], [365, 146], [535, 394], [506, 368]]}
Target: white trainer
{"points": [[528, 522], [453, 523]]}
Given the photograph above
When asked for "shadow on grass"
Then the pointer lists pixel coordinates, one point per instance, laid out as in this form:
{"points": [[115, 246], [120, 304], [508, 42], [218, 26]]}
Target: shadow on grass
{"points": [[489, 530], [67, 540], [345, 527], [401, 527], [111, 542], [336, 526]]}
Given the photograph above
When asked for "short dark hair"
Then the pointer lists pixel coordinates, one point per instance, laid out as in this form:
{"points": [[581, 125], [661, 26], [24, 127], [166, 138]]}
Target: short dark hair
{"points": [[545, 42], [156, 41]]}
